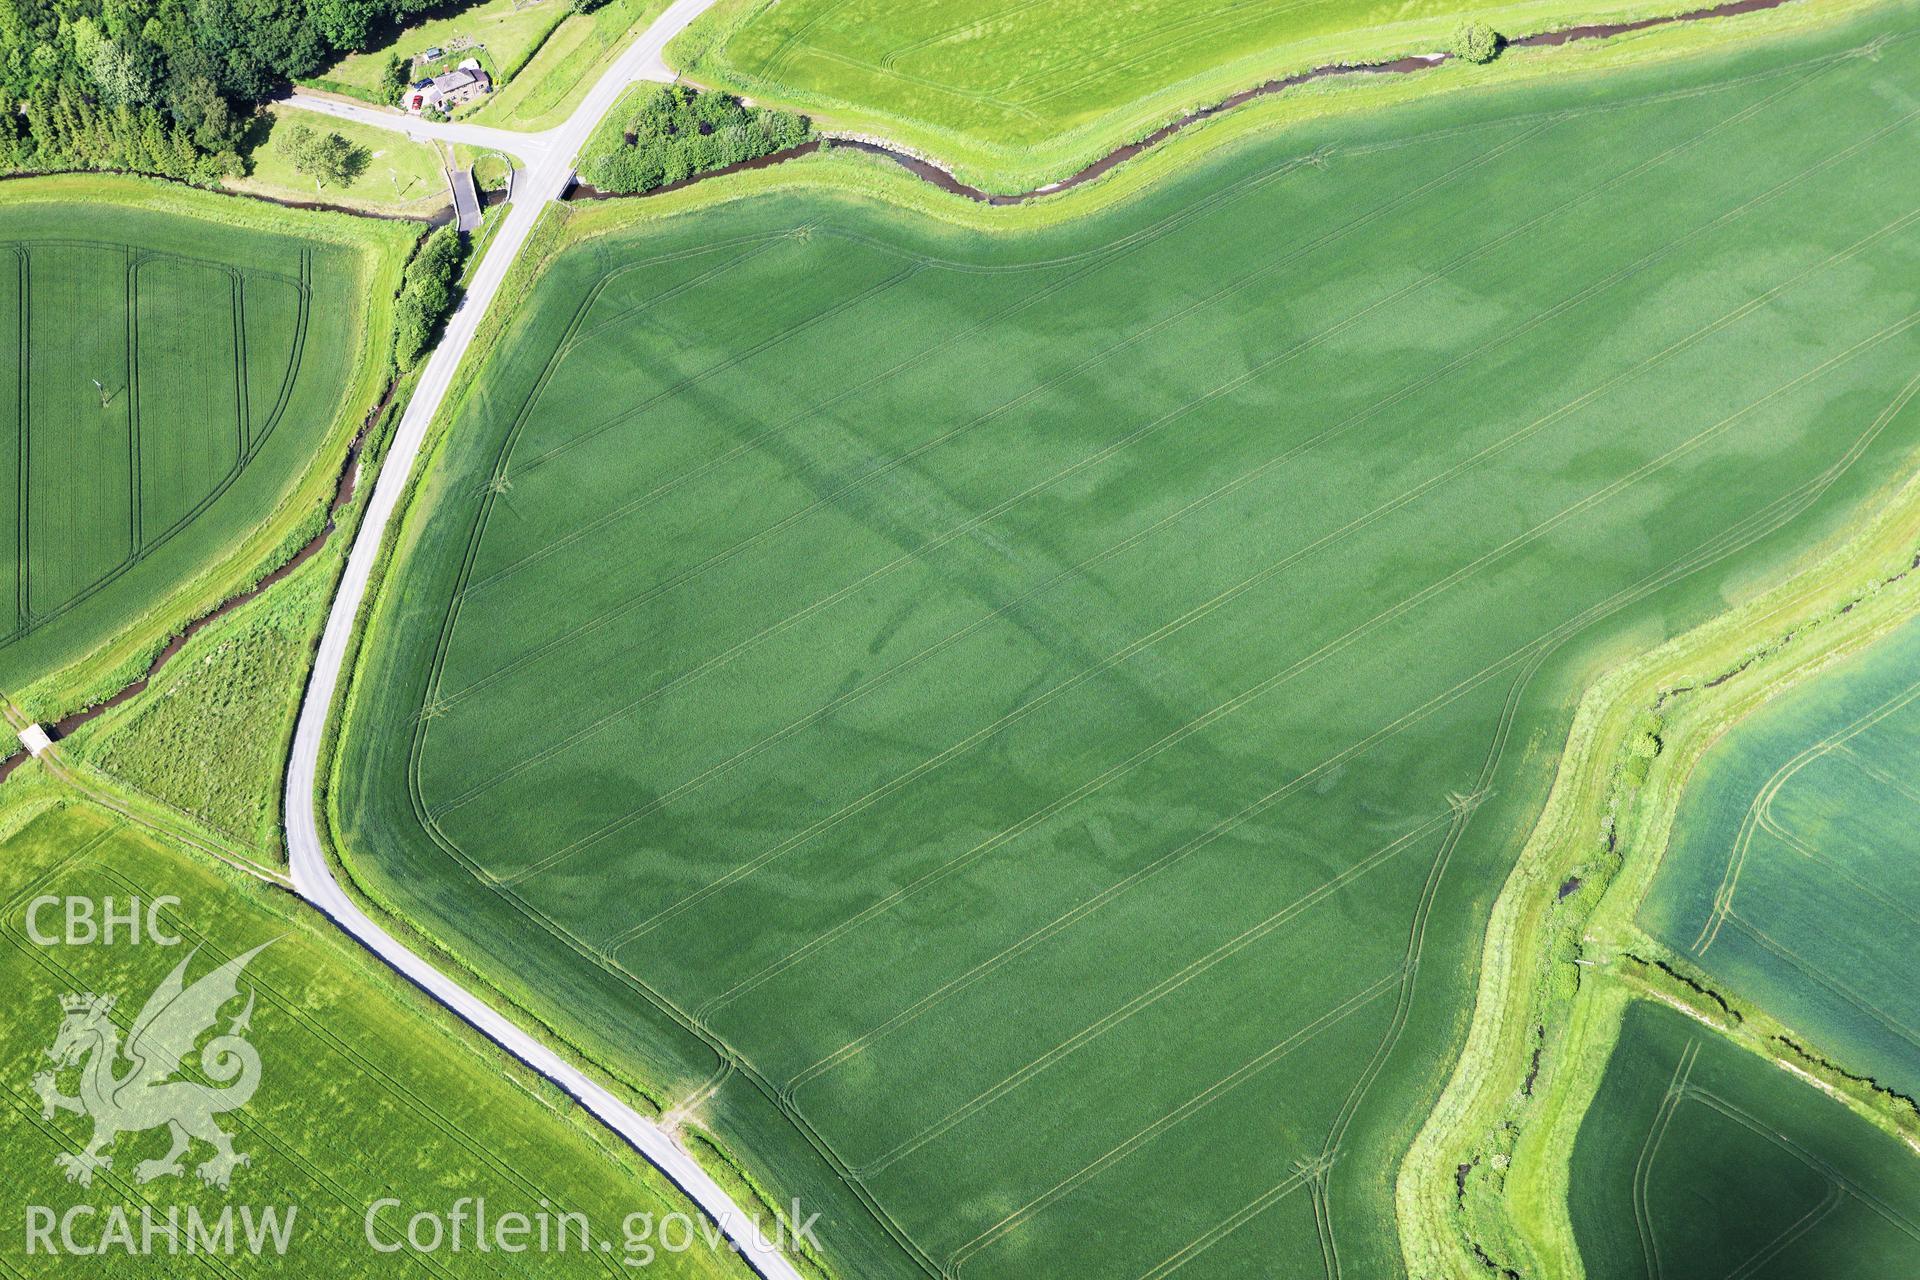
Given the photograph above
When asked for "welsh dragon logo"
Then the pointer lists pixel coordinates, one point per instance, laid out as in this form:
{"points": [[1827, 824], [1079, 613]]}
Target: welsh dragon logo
{"points": [[144, 1095]]}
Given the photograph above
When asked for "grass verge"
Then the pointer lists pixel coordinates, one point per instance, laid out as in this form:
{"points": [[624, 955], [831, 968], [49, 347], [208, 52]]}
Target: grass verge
{"points": [[367, 1088], [400, 176], [1742, 169], [568, 62]]}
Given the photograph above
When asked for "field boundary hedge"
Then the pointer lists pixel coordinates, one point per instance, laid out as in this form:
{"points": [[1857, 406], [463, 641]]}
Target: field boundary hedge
{"points": [[540, 248], [860, 178], [40, 792]]}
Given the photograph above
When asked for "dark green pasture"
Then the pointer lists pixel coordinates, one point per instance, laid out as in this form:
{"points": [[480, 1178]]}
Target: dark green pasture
{"points": [[1701, 1161]]}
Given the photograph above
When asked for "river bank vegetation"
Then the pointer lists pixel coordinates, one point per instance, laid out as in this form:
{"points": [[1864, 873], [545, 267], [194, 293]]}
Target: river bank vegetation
{"points": [[663, 134]]}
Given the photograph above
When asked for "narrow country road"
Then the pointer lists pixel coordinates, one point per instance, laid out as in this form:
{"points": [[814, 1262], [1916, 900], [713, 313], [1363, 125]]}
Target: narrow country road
{"points": [[529, 147], [548, 157]]}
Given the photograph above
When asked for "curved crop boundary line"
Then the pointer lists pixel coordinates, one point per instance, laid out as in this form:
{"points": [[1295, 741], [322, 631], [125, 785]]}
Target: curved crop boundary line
{"points": [[755, 864], [1439, 273], [1562, 839], [416, 1103], [1469, 355], [507, 445], [1531, 656], [331, 684], [1650, 1150], [1819, 1164], [1842, 874], [554, 747], [1424, 281], [579, 223], [1536, 655], [86, 672], [32, 620], [1760, 811], [1131, 1144], [523, 906]]}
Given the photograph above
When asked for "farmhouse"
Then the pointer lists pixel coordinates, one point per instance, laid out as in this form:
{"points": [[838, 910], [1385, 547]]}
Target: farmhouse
{"points": [[462, 84]]}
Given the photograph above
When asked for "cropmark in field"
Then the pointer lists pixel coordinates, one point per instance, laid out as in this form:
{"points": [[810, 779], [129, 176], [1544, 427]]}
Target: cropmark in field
{"points": [[1019, 733]]}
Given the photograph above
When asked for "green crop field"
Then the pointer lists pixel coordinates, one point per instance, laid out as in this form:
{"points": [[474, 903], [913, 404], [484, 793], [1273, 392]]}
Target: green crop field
{"points": [[1786, 870], [170, 389], [1020, 732], [365, 1091], [1014, 93], [1700, 1159]]}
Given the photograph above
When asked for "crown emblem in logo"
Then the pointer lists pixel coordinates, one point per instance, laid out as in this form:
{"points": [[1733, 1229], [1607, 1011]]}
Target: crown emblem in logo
{"points": [[144, 1093]]}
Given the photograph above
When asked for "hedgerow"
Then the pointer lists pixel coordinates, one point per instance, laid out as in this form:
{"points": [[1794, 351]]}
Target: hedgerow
{"points": [[427, 295]]}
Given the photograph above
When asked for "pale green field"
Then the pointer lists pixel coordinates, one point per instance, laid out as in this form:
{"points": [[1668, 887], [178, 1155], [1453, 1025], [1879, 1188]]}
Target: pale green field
{"points": [[1014, 93], [1794, 843], [366, 1089]]}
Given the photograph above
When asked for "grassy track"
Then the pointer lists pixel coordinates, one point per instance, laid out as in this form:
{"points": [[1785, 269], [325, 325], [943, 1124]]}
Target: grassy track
{"points": [[566, 66], [1013, 94], [366, 1090], [209, 736], [175, 408], [1698, 1158], [887, 682], [1564, 955]]}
